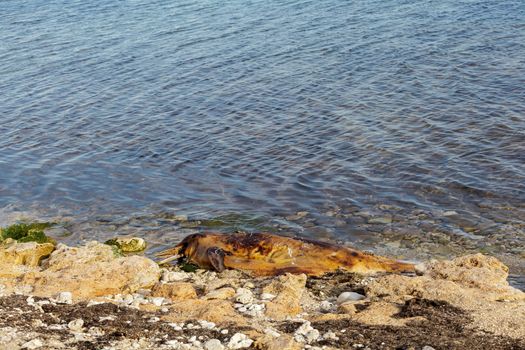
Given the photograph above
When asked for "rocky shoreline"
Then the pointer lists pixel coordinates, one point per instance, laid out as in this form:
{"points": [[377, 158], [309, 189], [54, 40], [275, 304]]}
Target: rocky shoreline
{"points": [[93, 297]]}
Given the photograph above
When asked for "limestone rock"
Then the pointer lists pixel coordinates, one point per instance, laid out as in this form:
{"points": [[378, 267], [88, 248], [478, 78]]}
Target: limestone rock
{"points": [[28, 253], [91, 271], [283, 342], [221, 293], [174, 291], [288, 290], [475, 270], [217, 311]]}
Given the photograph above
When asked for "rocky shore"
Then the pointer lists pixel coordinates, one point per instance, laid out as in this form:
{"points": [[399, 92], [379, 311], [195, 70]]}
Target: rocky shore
{"points": [[94, 297]]}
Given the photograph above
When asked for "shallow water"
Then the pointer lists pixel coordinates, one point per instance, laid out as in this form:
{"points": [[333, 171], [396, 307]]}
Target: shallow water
{"points": [[114, 114]]}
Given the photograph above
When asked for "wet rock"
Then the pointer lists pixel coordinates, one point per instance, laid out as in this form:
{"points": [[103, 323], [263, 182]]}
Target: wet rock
{"points": [[128, 244], [28, 253], [384, 220], [239, 341], [288, 290], [221, 294], [349, 296], [213, 344], [91, 271], [174, 291]]}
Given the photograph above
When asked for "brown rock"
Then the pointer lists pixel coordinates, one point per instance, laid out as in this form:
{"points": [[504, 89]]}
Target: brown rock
{"points": [[221, 294], [476, 270], [288, 290], [174, 291], [90, 271], [283, 342], [28, 253], [217, 311]]}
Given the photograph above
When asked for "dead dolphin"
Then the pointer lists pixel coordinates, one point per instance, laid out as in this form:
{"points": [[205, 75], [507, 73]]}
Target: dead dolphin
{"points": [[265, 254]]}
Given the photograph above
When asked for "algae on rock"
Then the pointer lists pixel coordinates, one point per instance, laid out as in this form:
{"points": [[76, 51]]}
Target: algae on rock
{"points": [[27, 232]]}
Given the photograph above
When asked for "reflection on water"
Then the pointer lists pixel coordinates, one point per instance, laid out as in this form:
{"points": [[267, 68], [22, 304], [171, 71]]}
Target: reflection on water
{"points": [[378, 118]]}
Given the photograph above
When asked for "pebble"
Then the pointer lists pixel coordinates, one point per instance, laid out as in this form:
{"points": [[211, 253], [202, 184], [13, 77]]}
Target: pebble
{"points": [[33, 344], [272, 332], [76, 325], [349, 296], [157, 301], [239, 341], [326, 306], [206, 324], [306, 333], [224, 331], [64, 298], [330, 336], [174, 276], [427, 347], [213, 344], [244, 296], [380, 220], [267, 296]]}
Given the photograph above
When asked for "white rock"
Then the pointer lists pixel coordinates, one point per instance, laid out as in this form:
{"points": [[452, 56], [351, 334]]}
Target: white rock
{"points": [[157, 301], [272, 332], [33, 344], [206, 324], [426, 347], [174, 276], [306, 333], [224, 331], [349, 296], [76, 325], [326, 306], [213, 344], [244, 296], [267, 296], [450, 213], [239, 341], [64, 298], [330, 336]]}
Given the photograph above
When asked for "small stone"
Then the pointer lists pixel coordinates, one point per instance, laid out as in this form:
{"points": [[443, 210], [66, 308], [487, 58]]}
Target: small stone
{"points": [[330, 336], [244, 296], [64, 298], [157, 301], [174, 291], [221, 294], [249, 285], [76, 325], [380, 220], [427, 347], [213, 344], [450, 213], [267, 296], [349, 296], [174, 276], [206, 324], [33, 344], [239, 341], [306, 333], [326, 306], [224, 331], [272, 332]]}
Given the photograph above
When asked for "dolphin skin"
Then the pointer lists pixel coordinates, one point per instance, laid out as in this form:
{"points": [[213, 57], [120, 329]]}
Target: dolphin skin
{"points": [[265, 254]]}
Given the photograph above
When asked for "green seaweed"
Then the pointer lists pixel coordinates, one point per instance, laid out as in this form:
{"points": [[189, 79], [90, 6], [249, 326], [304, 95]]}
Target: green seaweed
{"points": [[27, 232], [188, 267]]}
